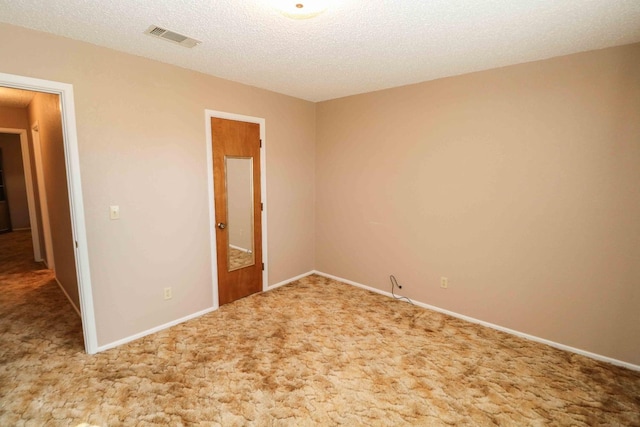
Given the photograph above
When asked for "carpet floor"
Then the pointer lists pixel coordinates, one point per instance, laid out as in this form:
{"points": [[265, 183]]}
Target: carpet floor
{"points": [[314, 352]]}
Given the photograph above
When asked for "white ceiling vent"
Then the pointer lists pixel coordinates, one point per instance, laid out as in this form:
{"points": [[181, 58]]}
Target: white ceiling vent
{"points": [[165, 34]]}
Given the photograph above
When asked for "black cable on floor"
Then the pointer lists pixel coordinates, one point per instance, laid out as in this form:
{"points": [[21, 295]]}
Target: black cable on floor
{"points": [[394, 283]]}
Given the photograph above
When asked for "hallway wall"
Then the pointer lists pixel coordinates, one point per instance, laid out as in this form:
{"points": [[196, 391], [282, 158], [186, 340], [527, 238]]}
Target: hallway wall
{"points": [[44, 109]]}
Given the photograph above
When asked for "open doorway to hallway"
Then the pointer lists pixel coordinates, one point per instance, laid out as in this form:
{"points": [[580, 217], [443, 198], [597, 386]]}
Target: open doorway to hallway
{"points": [[44, 122], [39, 169]]}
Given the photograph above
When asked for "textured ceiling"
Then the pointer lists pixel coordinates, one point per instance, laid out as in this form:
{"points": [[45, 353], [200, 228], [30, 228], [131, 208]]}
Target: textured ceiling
{"points": [[15, 98], [356, 46]]}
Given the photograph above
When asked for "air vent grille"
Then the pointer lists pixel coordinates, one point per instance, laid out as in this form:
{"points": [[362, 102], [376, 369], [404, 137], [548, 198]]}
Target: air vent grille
{"points": [[164, 34], [157, 31]]}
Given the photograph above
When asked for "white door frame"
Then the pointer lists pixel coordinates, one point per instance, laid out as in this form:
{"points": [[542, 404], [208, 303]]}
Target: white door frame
{"points": [[49, 257], [28, 179], [208, 115], [76, 205]]}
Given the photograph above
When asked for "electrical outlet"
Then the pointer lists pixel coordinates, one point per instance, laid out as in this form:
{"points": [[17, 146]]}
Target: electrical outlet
{"points": [[167, 293], [444, 282]]}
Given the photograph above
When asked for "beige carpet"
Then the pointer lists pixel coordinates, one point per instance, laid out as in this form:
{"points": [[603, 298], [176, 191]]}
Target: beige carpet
{"points": [[315, 352]]}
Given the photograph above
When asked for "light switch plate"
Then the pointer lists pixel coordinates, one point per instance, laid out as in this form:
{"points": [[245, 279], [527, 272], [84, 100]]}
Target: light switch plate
{"points": [[114, 212]]}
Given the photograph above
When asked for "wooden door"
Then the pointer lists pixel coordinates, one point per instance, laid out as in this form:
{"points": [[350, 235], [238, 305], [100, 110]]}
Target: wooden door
{"points": [[238, 212]]}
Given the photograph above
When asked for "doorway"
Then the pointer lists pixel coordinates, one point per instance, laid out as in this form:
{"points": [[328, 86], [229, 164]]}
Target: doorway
{"points": [[236, 152], [32, 221], [71, 166]]}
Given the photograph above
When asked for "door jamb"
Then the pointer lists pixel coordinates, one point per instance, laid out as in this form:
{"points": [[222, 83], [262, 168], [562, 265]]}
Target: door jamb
{"points": [[208, 115], [49, 258], [28, 179], [74, 183]]}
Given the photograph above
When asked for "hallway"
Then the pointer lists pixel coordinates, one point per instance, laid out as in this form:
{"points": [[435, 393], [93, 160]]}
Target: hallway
{"points": [[37, 322]]}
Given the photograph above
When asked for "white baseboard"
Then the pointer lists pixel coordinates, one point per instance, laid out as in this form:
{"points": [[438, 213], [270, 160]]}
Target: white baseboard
{"points": [[293, 279], [387, 294], [153, 330], [494, 326], [64, 291], [239, 248]]}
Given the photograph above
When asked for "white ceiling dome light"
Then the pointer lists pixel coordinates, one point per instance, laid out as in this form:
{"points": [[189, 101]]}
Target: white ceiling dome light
{"points": [[300, 9]]}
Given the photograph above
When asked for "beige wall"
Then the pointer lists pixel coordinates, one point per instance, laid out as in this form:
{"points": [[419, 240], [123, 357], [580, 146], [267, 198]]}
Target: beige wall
{"points": [[13, 118], [141, 137], [44, 110], [14, 180], [519, 184]]}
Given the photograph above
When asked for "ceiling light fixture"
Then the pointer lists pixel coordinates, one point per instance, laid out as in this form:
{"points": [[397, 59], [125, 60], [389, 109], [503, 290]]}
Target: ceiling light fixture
{"points": [[301, 9]]}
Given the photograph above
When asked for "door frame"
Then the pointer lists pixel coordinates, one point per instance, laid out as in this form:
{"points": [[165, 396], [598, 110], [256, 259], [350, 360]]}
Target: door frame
{"points": [[74, 189], [49, 258], [208, 115], [31, 198]]}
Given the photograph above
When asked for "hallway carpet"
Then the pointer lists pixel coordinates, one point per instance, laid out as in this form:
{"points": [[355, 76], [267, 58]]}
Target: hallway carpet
{"points": [[314, 352]]}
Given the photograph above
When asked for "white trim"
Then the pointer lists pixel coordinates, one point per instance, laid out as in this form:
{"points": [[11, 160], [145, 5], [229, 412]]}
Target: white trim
{"points": [[208, 115], [49, 257], [352, 283], [31, 198], [212, 212], [494, 326], [22, 229], [153, 330], [64, 291], [72, 157], [293, 279]]}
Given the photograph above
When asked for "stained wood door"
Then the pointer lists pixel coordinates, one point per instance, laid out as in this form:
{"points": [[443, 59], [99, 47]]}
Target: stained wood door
{"points": [[236, 145]]}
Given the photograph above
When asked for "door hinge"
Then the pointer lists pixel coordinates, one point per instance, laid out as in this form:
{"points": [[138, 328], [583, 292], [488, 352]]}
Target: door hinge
{"points": [[76, 243], [260, 143], [261, 206], [263, 266]]}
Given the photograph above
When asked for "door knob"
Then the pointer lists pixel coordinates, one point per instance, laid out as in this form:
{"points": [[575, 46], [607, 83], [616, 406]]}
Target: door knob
{"points": [[222, 225]]}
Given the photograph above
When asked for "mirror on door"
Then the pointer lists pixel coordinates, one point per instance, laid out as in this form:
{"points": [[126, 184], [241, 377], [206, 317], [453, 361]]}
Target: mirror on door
{"points": [[239, 182]]}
